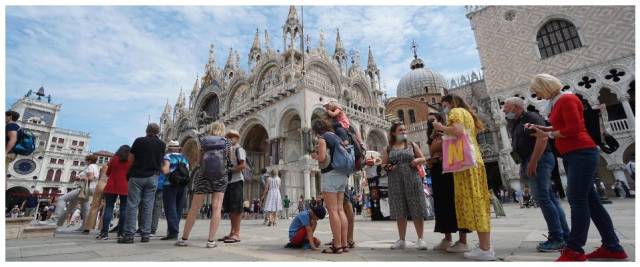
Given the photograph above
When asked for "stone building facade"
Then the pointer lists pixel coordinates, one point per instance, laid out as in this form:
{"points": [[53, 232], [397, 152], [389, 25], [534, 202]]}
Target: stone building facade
{"points": [[59, 154], [590, 48], [273, 104]]}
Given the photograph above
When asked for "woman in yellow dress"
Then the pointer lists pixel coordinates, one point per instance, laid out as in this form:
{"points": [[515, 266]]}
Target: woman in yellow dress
{"points": [[471, 192]]}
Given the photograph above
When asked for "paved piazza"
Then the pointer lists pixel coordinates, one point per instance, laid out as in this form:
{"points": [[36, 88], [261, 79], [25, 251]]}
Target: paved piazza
{"points": [[514, 238]]}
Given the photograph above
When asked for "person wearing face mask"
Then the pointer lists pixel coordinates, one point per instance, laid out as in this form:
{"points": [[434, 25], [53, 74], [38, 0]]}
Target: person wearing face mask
{"points": [[443, 194], [471, 191], [580, 158], [537, 163], [406, 192]]}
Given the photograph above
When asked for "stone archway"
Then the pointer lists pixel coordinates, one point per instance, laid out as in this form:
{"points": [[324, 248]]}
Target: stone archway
{"points": [[209, 111], [254, 140], [376, 141], [615, 110], [15, 196], [291, 132]]}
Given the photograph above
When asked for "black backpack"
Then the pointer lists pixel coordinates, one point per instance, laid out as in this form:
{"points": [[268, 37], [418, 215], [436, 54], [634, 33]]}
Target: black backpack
{"points": [[358, 148], [180, 176]]}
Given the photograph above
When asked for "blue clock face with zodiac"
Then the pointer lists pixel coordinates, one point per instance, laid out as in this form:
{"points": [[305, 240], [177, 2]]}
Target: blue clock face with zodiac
{"points": [[24, 166]]}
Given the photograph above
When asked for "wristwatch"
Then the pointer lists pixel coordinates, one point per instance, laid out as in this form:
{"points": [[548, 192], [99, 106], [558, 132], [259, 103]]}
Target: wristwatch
{"points": [[550, 135]]}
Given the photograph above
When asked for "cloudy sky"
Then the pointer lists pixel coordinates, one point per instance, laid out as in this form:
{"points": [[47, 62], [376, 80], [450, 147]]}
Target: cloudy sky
{"points": [[113, 67]]}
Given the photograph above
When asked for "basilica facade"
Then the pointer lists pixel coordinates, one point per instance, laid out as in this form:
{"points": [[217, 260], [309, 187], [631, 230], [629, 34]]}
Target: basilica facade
{"points": [[273, 104]]}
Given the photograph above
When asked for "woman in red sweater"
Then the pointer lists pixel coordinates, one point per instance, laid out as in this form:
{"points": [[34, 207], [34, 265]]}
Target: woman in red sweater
{"points": [[117, 187], [580, 157]]}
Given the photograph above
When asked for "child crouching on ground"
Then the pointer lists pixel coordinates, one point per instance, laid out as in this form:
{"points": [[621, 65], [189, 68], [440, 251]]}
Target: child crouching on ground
{"points": [[302, 228]]}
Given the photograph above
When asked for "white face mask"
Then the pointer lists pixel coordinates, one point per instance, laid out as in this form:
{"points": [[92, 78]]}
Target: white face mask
{"points": [[402, 137]]}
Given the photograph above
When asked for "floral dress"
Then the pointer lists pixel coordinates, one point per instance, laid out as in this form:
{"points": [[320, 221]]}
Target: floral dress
{"points": [[406, 192], [471, 191]]}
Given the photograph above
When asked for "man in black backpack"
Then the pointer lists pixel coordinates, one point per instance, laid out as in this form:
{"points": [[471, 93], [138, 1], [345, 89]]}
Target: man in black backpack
{"points": [[11, 132]]}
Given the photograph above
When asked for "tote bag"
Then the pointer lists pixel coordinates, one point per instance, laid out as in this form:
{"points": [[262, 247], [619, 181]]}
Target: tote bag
{"points": [[457, 153]]}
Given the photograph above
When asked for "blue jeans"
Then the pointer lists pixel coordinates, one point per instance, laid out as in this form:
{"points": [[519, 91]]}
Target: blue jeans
{"points": [[141, 192], [174, 200], [546, 198], [110, 202], [585, 203]]}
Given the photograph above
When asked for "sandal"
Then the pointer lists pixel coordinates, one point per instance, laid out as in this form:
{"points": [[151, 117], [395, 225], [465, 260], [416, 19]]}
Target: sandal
{"points": [[332, 250], [351, 244], [231, 240], [223, 238], [345, 249]]}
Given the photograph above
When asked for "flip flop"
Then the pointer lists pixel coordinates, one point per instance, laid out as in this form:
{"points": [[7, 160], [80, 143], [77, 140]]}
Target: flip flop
{"points": [[223, 238], [231, 240]]}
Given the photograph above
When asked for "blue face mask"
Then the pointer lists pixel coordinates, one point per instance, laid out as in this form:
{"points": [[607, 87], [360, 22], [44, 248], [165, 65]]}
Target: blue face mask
{"points": [[510, 115], [446, 110]]}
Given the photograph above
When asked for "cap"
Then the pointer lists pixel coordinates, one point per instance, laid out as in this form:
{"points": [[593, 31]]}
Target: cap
{"points": [[232, 133], [319, 211]]}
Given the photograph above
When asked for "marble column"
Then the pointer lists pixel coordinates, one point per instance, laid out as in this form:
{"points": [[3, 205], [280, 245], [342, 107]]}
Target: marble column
{"points": [[313, 184], [307, 184], [628, 111]]}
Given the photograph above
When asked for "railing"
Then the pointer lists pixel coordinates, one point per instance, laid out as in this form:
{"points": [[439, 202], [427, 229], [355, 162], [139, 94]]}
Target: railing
{"points": [[618, 126], [72, 132]]}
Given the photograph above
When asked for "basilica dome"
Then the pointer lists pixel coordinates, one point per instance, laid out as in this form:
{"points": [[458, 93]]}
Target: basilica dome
{"points": [[421, 81]]}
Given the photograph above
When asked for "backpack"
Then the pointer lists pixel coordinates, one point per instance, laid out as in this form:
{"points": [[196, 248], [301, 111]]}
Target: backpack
{"points": [[358, 149], [215, 160], [26, 143], [342, 157], [180, 176]]}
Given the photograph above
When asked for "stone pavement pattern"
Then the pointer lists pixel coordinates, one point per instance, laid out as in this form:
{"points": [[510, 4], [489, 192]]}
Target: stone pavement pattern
{"points": [[513, 237]]}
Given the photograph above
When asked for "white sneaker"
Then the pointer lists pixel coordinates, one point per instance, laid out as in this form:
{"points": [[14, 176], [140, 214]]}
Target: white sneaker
{"points": [[421, 244], [400, 244], [458, 247], [481, 255], [211, 244], [181, 243], [444, 244]]}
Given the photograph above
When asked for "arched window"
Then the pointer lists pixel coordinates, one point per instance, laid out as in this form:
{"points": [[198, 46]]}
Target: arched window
{"points": [[433, 100], [412, 116], [49, 175], [557, 36], [58, 175], [72, 176], [401, 115]]}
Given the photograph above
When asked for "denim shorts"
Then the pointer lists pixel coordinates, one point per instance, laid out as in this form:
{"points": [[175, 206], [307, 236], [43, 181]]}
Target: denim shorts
{"points": [[334, 182]]}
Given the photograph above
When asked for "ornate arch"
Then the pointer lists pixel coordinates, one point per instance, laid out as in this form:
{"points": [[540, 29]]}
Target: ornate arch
{"points": [[234, 88], [332, 72], [202, 104], [361, 84], [249, 123], [263, 70]]}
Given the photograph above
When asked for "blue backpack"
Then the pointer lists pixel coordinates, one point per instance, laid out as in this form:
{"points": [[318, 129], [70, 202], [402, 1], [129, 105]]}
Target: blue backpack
{"points": [[26, 143], [343, 159], [215, 162]]}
